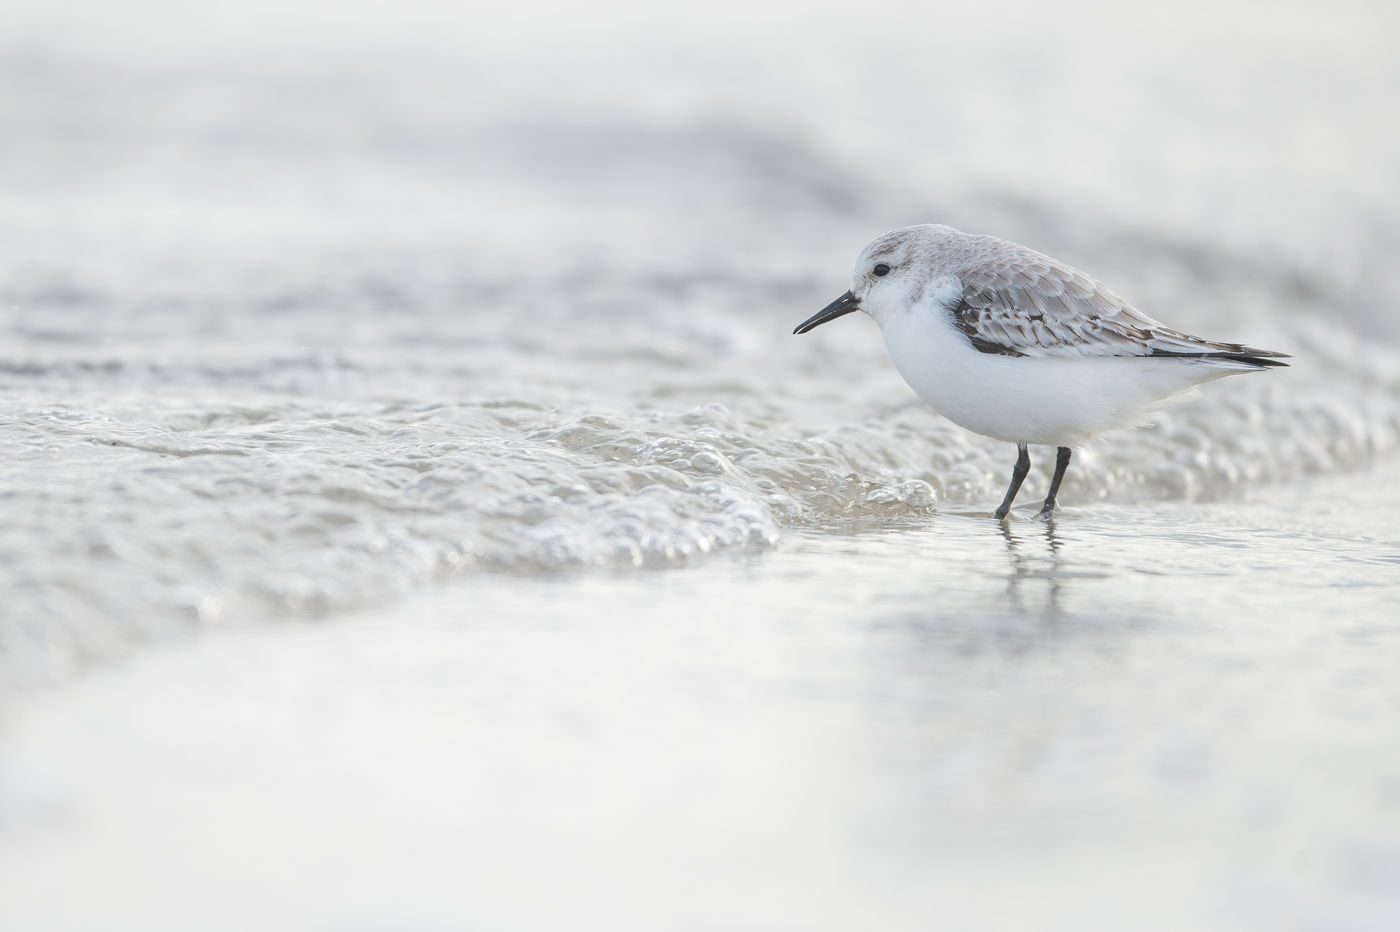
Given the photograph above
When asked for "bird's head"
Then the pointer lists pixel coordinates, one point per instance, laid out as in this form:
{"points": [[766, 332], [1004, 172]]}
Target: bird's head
{"points": [[892, 272]]}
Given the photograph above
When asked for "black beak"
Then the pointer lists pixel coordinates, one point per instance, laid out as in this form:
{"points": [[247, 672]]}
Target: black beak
{"points": [[838, 308]]}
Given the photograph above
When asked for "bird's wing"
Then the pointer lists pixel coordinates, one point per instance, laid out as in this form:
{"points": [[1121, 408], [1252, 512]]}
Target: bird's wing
{"points": [[1034, 306]]}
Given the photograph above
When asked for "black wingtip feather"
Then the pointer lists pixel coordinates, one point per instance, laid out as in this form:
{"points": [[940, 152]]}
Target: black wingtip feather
{"points": [[1266, 362], [1264, 359]]}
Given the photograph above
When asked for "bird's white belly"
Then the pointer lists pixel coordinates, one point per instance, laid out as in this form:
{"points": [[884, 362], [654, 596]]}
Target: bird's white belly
{"points": [[1058, 400]]}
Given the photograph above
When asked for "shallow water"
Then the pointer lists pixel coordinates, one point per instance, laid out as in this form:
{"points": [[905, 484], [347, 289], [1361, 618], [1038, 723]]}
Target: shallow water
{"points": [[471, 344], [1168, 716]]}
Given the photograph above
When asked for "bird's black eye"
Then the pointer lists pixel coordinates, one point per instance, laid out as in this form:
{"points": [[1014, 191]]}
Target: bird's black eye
{"points": [[881, 270]]}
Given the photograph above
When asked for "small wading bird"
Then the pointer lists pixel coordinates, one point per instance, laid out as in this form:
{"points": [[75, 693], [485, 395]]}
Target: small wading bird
{"points": [[1014, 345]]}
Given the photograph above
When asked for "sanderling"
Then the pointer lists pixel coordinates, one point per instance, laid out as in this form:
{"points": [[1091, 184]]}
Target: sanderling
{"points": [[1014, 345]]}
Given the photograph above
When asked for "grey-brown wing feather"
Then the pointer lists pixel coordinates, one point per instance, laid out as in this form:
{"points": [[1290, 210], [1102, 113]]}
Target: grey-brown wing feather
{"points": [[1037, 307]]}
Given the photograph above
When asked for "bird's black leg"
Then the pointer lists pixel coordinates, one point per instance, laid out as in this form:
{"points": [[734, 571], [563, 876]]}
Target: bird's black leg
{"points": [[1061, 464], [1018, 475]]}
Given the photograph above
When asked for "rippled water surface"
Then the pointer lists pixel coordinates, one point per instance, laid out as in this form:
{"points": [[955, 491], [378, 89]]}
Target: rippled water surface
{"points": [[411, 482]]}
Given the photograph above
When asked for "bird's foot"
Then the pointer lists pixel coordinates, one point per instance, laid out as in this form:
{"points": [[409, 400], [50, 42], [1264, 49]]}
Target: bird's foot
{"points": [[1046, 513]]}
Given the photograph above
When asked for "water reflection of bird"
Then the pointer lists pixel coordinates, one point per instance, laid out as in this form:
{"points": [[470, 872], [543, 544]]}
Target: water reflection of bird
{"points": [[1043, 562]]}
